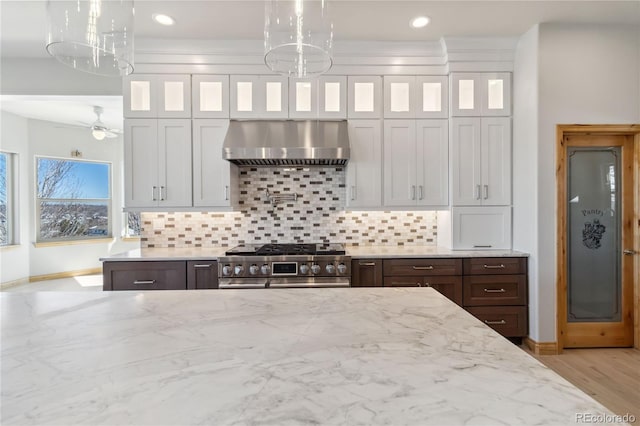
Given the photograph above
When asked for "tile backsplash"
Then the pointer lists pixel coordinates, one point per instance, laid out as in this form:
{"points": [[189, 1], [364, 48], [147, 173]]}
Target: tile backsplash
{"points": [[317, 215]]}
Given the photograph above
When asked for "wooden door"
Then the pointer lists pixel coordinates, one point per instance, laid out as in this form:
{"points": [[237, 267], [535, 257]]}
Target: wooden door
{"points": [[596, 240]]}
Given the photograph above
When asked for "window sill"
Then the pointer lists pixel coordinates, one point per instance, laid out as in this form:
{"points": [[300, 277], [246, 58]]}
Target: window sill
{"points": [[73, 242], [130, 239], [10, 247]]}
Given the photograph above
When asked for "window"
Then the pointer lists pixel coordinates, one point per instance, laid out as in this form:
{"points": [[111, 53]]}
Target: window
{"points": [[74, 199], [7, 201], [132, 224]]}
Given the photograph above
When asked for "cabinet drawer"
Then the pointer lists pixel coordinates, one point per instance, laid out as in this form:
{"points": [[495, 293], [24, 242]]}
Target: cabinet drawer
{"points": [[495, 265], [510, 321], [448, 286], [486, 290], [145, 276], [202, 274], [422, 267], [366, 273]]}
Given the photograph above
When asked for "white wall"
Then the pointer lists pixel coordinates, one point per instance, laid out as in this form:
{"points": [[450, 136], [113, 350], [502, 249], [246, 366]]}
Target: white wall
{"points": [[14, 260], [52, 139], [587, 74], [525, 141]]}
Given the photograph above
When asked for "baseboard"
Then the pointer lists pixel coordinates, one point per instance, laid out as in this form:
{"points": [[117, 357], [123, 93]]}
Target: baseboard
{"points": [[67, 274], [541, 348], [13, 283]]}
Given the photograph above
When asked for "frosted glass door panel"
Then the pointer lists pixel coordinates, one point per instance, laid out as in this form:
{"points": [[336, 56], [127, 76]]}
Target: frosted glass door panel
{"points": [[303, 96], [495, 94], [466, 98], [274, 96], [140, 95], [594, 233], [173, 96], [364, 97], [332, 97], [399, 97], [433, 97], [363, 101], [211, 96], [245, 96]]}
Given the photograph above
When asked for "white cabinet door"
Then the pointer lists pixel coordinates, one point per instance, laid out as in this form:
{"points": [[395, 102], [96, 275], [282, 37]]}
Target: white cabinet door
{"points": [[174, 96], [273, 96], [243, 96], [259, 97], [174, 163], [496, 161], [210, 95], [481, 94], [303, 98], [466, 179], [214, 179], [432, 97], [432, 158], [141, 163], [481, 228], [140, 96], [400, 163], [399, 97], [364, 180], [365, 97], [332, 97]]}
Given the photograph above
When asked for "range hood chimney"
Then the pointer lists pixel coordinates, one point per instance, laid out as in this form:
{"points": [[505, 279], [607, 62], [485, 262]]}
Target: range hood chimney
{"points": [[287, 143]]}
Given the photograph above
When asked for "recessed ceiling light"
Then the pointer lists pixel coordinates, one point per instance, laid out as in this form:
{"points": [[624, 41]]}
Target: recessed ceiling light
{"points": [[420, 21], [163, 19]]}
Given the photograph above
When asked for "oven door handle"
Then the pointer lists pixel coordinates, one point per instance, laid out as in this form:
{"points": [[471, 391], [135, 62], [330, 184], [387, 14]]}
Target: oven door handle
{"points": [[234, 284], [311, 283]]}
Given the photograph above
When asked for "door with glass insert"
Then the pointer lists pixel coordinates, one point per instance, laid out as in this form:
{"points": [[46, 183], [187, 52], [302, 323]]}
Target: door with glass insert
{"points": [[598, 236]]}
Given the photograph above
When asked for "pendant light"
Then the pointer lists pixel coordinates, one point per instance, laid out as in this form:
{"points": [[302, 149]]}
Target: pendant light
{"points": [[298, 37], [95, 36]]}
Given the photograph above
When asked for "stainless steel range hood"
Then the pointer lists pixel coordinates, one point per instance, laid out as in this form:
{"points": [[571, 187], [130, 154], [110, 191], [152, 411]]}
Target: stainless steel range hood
{"points": [[287, 143]]}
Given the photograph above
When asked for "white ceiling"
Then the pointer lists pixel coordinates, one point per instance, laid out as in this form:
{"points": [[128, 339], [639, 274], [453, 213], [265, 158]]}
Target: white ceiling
{"points": [[23, 31]]}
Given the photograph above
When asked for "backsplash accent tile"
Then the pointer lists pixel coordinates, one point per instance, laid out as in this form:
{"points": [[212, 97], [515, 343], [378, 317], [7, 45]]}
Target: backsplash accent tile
{"points": [[318, 215]]}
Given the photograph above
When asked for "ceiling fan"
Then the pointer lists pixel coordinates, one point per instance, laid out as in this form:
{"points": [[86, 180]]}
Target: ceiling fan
{"points": [[98, 130]]}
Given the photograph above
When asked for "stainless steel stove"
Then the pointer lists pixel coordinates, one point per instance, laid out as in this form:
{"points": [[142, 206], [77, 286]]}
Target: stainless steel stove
{"points": [[285, 265]]}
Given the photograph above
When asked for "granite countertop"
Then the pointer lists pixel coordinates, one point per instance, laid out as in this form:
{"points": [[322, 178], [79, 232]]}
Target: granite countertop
{"points": [[356, 252], [287, 356]]}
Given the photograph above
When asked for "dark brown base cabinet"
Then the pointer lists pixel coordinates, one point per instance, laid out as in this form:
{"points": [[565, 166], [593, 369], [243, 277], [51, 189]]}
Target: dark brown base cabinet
{"points": [[493, 289], [160, 275]]}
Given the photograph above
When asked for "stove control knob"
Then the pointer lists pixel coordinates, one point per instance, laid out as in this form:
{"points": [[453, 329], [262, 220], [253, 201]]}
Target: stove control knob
{"points": [[315, 268], [253, 269], [238, 270], [226, 270], [331, 269], [264, 269], [342, 268], [304, 268]]}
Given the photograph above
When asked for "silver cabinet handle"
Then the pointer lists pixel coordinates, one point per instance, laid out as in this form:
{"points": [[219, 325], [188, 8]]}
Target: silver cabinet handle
{"points": [[418, 284], [629, 252], [203, 266], [413, 192], [153, 193], [427, 285], [491, 290], [486, 192], [367, 263], [144, 282], [353, 192], [481, 246], [501, 266], [420, 195], [226, 192], [423, 268], [501, 322], [163, 193], [477, 192]]}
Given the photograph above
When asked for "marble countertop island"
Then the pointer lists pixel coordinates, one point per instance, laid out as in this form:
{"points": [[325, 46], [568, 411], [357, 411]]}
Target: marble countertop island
{"points": [[273, 357]]}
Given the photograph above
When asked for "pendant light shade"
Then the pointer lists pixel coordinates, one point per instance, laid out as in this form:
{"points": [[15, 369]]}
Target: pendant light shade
{"points": [[298, 37], [95, 36]]}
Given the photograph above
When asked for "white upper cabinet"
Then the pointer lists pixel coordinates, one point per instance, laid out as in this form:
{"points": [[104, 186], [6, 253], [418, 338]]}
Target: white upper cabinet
{"points": [[323, 97], [364, 180], [210, 95], [214, 179], [416, 163], [481, 94], [157, 96], [415, 97], [481, 161], [365, 97], [475, 228], [257, 97]]}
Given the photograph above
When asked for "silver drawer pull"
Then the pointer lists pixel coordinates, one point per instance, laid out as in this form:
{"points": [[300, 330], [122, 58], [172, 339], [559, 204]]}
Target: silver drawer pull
{"points": [[143, 282], [423, 268], [501, 322], [202, 266], [367, 263], [490, 290], [501, 266], [482, 246], [427, 285]]}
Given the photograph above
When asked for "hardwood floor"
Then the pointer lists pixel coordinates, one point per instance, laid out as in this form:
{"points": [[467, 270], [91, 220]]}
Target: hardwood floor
{"points": [[610, 376]]}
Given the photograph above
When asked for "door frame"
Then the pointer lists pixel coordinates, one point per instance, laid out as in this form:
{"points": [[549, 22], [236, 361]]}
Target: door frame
{"points": [[632, 130]]}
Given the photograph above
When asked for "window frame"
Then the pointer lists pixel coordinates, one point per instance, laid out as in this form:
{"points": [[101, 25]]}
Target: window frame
{"points": [[38, 202], [12, 199]]}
